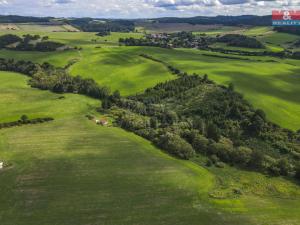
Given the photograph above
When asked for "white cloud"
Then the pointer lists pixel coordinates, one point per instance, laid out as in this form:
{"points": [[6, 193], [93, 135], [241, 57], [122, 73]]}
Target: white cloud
{"points": [[141, 8], [63, 1]]}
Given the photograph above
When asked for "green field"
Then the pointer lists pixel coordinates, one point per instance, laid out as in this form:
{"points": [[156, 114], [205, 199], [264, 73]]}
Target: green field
{"points": [[71, 171], [122, 64], [267, 85]]}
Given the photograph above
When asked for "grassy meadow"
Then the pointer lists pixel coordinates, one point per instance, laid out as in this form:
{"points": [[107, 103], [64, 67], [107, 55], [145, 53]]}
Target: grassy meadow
{"points": [[71, 171], [268, 83]]}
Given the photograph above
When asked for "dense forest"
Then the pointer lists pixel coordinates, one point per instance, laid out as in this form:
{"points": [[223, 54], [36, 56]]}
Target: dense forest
{"points": [[288, 29], [224, 20], [23, 19], [192, 115], [91, 25], [83, 22], [29, 43], [238, 40]]}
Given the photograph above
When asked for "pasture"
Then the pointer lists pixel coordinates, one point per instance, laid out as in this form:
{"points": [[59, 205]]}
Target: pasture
{"points": [[71, 171]]}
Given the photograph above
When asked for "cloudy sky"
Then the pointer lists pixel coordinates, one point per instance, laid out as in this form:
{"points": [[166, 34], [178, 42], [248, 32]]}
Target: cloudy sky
{"points": [[142, 8]]}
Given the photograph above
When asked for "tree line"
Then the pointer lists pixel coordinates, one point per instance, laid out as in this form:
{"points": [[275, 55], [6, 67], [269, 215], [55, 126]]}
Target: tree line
{"points": [[92, 25], [24, 120], [47, 77]]}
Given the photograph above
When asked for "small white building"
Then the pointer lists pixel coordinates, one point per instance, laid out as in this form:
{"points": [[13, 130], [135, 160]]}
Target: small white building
{"points": [[1, 165]]}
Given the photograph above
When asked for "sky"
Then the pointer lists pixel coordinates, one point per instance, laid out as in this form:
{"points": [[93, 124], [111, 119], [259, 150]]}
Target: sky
{"points": [[142, 8]]}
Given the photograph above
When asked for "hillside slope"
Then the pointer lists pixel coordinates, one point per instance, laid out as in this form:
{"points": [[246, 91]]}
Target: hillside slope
{"points": [[71, 171]]}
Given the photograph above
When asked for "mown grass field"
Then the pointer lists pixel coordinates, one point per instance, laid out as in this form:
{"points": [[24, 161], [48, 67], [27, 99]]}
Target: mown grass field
{"points": [[268, 85], [71, 171]]}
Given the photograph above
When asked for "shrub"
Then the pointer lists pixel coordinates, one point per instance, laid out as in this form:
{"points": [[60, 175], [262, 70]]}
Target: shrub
{"points": [[215, 159], [284, 166], [222, 149], [200, 143], [242, 155], [175, 145], [213, 132], [24, 118], [297, 171], [133, 122], [257, 159]]}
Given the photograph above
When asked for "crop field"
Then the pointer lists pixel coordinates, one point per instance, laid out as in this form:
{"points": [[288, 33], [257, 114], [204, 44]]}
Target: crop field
{"points": [[31, 27], [69, 171]]}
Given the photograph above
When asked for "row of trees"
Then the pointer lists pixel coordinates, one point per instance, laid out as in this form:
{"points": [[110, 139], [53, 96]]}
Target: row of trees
{"points": [[91, 25], [24, 121], [47, 77], [171, 68]]}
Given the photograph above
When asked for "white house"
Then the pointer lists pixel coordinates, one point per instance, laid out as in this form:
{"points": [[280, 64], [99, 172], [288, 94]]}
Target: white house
{"points": [[1, 165]]}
